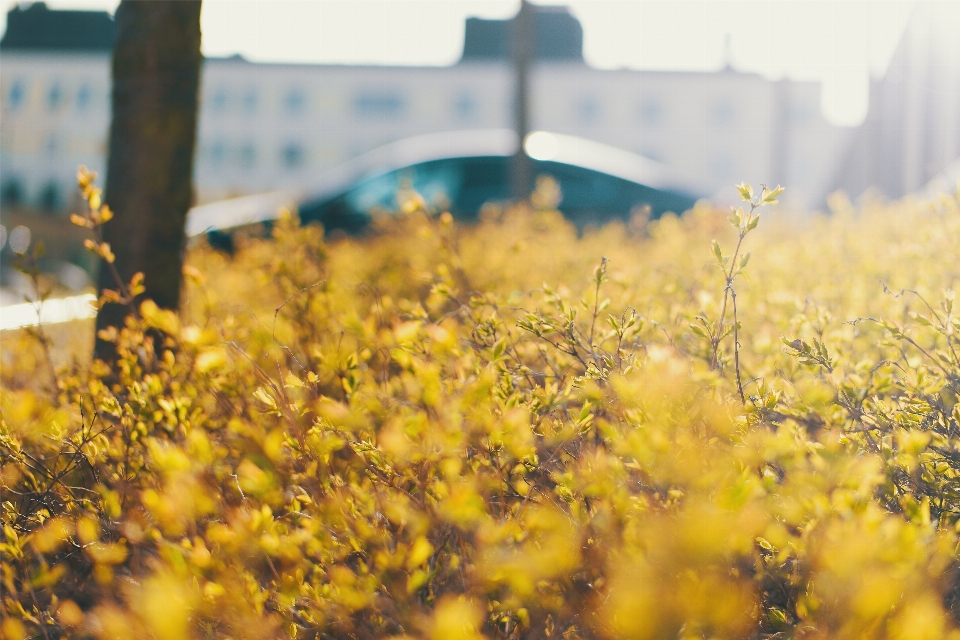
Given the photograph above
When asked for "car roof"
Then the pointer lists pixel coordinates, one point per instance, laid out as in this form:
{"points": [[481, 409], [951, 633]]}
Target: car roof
{"points": [[539, 145]]}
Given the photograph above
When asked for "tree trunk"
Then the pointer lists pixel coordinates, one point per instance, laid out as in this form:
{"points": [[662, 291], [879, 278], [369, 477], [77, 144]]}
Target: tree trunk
{"points": [[149, 187]]}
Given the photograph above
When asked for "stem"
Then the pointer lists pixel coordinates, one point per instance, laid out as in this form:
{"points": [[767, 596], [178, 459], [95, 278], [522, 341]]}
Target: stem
{"points": [[39, 334], [730, 295], [736, 346], [121, 287], [44, 341], [596, 300], [728, 276]]}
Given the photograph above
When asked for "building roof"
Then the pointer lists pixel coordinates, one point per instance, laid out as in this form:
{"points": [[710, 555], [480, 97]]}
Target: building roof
{"points": [[557, 36], [36, 27]]}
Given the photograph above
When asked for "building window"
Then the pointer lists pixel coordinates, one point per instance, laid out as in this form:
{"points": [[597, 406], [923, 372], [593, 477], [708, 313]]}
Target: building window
{"points": [[50, 199], [651, 112], [84, 95], [724, 113], [292, 155], [378, 105], [11, 194], [219, 100], [250, 101], [217, 153], [588, 110], [55, 96], [16, 94], [53, 145], [294, 101], [247, 155], [465, 107]]}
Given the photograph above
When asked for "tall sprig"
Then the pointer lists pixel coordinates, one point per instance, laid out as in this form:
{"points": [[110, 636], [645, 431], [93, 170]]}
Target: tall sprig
{"points": [[744, 222], [96, 215]]}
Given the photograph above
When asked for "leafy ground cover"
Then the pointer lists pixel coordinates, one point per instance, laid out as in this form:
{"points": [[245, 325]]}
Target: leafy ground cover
{"points": [[509, 430]]}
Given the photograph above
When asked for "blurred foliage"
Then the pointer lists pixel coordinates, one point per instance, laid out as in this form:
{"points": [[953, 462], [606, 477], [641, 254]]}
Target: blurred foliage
{"points": [[508, 431]]}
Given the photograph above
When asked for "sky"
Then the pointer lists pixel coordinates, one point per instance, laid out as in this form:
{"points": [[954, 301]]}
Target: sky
{"points": [[840, 43]]}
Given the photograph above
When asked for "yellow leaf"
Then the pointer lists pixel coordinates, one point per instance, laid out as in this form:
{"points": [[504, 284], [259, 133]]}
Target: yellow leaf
{"points": [[166, 603], [193, 274], [88, 529], [80, 221], [456, 619], [407, 332], [264, 396], [210, 360], [53, 534], [419, 552], [136, 284], [463, 506], [69, 614], [13, 629], [157, 318], [106, 552]]}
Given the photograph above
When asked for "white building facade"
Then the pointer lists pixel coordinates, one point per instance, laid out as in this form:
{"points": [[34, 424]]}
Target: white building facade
{"points": [[274, 126]]}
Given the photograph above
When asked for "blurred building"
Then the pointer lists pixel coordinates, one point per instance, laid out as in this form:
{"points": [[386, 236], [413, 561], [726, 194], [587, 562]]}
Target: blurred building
{"points": [[911, 135], [54, 102], [278, 126]]}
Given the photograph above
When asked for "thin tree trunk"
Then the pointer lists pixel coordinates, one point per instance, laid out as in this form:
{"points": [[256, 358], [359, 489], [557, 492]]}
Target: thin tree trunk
{"points": [[156, 76]]}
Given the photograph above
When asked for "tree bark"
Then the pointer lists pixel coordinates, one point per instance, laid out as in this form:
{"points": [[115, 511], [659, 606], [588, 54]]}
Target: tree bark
{"points": [[149, 185]]}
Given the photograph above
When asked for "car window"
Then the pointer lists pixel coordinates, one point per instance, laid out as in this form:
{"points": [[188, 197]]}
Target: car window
{"points": [[438, 182], [379, 192]]}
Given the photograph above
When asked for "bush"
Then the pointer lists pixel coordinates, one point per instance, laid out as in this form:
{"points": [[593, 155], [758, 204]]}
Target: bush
{"points": [[509, 431]]}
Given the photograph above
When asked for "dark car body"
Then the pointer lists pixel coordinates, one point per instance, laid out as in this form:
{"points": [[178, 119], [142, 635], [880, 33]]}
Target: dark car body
{"points": [[463, 185]]}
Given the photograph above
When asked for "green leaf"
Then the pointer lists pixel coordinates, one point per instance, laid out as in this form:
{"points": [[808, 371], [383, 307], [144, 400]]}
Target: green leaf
{"points": [[737, 218], [600, 271], [795, 344], [746, 191], [717, 253], [697, 329], [771, 197], [584, 412]]}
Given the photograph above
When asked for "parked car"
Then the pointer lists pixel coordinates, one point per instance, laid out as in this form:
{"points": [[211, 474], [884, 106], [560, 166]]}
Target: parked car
{"points": [[462, 171]]}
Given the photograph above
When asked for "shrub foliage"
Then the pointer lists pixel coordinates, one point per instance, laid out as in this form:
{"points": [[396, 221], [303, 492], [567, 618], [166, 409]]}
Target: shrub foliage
{"points": [[509, 430]]}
